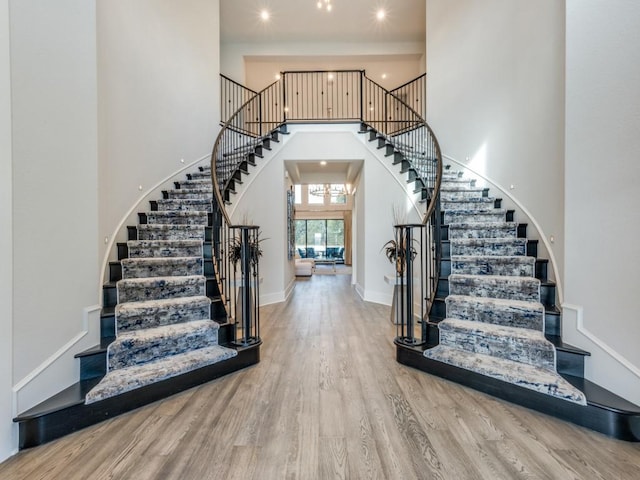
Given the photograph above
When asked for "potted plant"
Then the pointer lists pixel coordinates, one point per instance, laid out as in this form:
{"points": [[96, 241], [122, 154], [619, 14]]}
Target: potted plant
{"points": [[235, 250], [396, 249]]}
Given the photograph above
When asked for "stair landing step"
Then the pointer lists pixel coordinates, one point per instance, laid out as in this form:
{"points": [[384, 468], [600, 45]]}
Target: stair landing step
{"points": [[66, 412], [535, 378], [132, 376], [605, 411]]}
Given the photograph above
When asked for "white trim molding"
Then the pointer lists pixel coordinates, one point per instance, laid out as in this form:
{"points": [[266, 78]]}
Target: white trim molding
{"points": [[605, 367], [61, 369], [580, 328]]}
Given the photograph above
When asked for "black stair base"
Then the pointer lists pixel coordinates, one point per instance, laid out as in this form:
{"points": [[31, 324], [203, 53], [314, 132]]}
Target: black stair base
{"points": [[66, 412], [605, 412]]}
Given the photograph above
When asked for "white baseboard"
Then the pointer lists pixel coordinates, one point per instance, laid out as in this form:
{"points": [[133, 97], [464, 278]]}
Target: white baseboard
{"points": [[289, 290], [61, 369], [385, 298], [605, 367], [270, 298]]}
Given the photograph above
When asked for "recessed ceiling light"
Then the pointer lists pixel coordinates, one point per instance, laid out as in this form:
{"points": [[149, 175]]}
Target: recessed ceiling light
{"points": [[319, 4], [264, 15], [278, 76], [384, 75], [381, 14], [323, 163]]}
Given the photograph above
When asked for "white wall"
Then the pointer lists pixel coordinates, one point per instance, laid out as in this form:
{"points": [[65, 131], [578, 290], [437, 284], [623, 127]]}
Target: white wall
{"points": [[382, 195], [233, 58], [7, 442], [602, 185], [260, 71], [54, 135], [158, 66], [495, 95], [251, 208]]}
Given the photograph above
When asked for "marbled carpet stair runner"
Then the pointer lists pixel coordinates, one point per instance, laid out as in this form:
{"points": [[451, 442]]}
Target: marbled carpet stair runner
{"points": [[495, 321], [163, 323]]}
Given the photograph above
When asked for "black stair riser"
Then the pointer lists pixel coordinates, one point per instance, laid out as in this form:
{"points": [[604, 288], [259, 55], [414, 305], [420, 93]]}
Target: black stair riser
{"points": [[438, 310], [548, 294], [510, 215], [107, 325], [93, 366], [115, 271], [208, 267], [443, 287], [123, 250], [226, 333], [212, 288], [109, 295], [218, 313], [553, 323], [568, 363], [542, 267]]}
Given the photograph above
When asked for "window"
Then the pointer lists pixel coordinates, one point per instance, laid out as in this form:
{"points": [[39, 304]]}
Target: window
{"points": [[321, 239], [314, 199], [297, 191]]}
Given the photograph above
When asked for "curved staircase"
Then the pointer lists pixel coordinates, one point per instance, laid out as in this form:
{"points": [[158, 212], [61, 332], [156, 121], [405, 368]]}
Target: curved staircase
{"points": [[494, 325], [164, 326]]}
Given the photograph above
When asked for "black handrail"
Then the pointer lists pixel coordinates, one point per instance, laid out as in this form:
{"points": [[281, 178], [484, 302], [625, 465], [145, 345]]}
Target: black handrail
{"points": [[321, 96]]}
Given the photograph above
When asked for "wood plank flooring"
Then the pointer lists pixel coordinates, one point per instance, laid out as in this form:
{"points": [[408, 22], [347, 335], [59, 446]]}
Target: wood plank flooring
{"points": [[328, 401]]}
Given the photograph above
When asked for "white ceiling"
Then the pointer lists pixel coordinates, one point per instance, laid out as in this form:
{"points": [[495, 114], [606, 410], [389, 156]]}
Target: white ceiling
{"points": [[302, 21], [334, 171]]}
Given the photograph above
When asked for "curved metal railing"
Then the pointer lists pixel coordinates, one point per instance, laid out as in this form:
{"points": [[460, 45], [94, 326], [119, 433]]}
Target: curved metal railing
{"points": [[325, 97]]}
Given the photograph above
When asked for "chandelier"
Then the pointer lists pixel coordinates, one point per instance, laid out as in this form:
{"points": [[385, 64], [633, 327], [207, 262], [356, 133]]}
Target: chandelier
{"points": [[324, 5], [327, 190]]}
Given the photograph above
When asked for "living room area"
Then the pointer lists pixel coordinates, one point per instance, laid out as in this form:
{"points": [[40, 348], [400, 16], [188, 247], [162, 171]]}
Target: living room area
{"points": [[323, 230]]}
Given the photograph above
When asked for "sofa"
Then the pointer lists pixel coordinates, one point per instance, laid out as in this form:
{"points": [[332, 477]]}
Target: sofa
{"points": [[304, 266]]}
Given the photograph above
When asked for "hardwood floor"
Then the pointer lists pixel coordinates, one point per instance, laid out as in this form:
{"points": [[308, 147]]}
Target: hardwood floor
{"points": [[329, 401]]}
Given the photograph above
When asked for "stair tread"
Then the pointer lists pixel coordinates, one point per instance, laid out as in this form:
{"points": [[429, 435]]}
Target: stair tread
{"points": [[557, 342], [96, 349], [603, 398], [162, 303], [166, 280], [496, 301], [72, 396], [493, 329], [164, 331], [69, 397]]}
